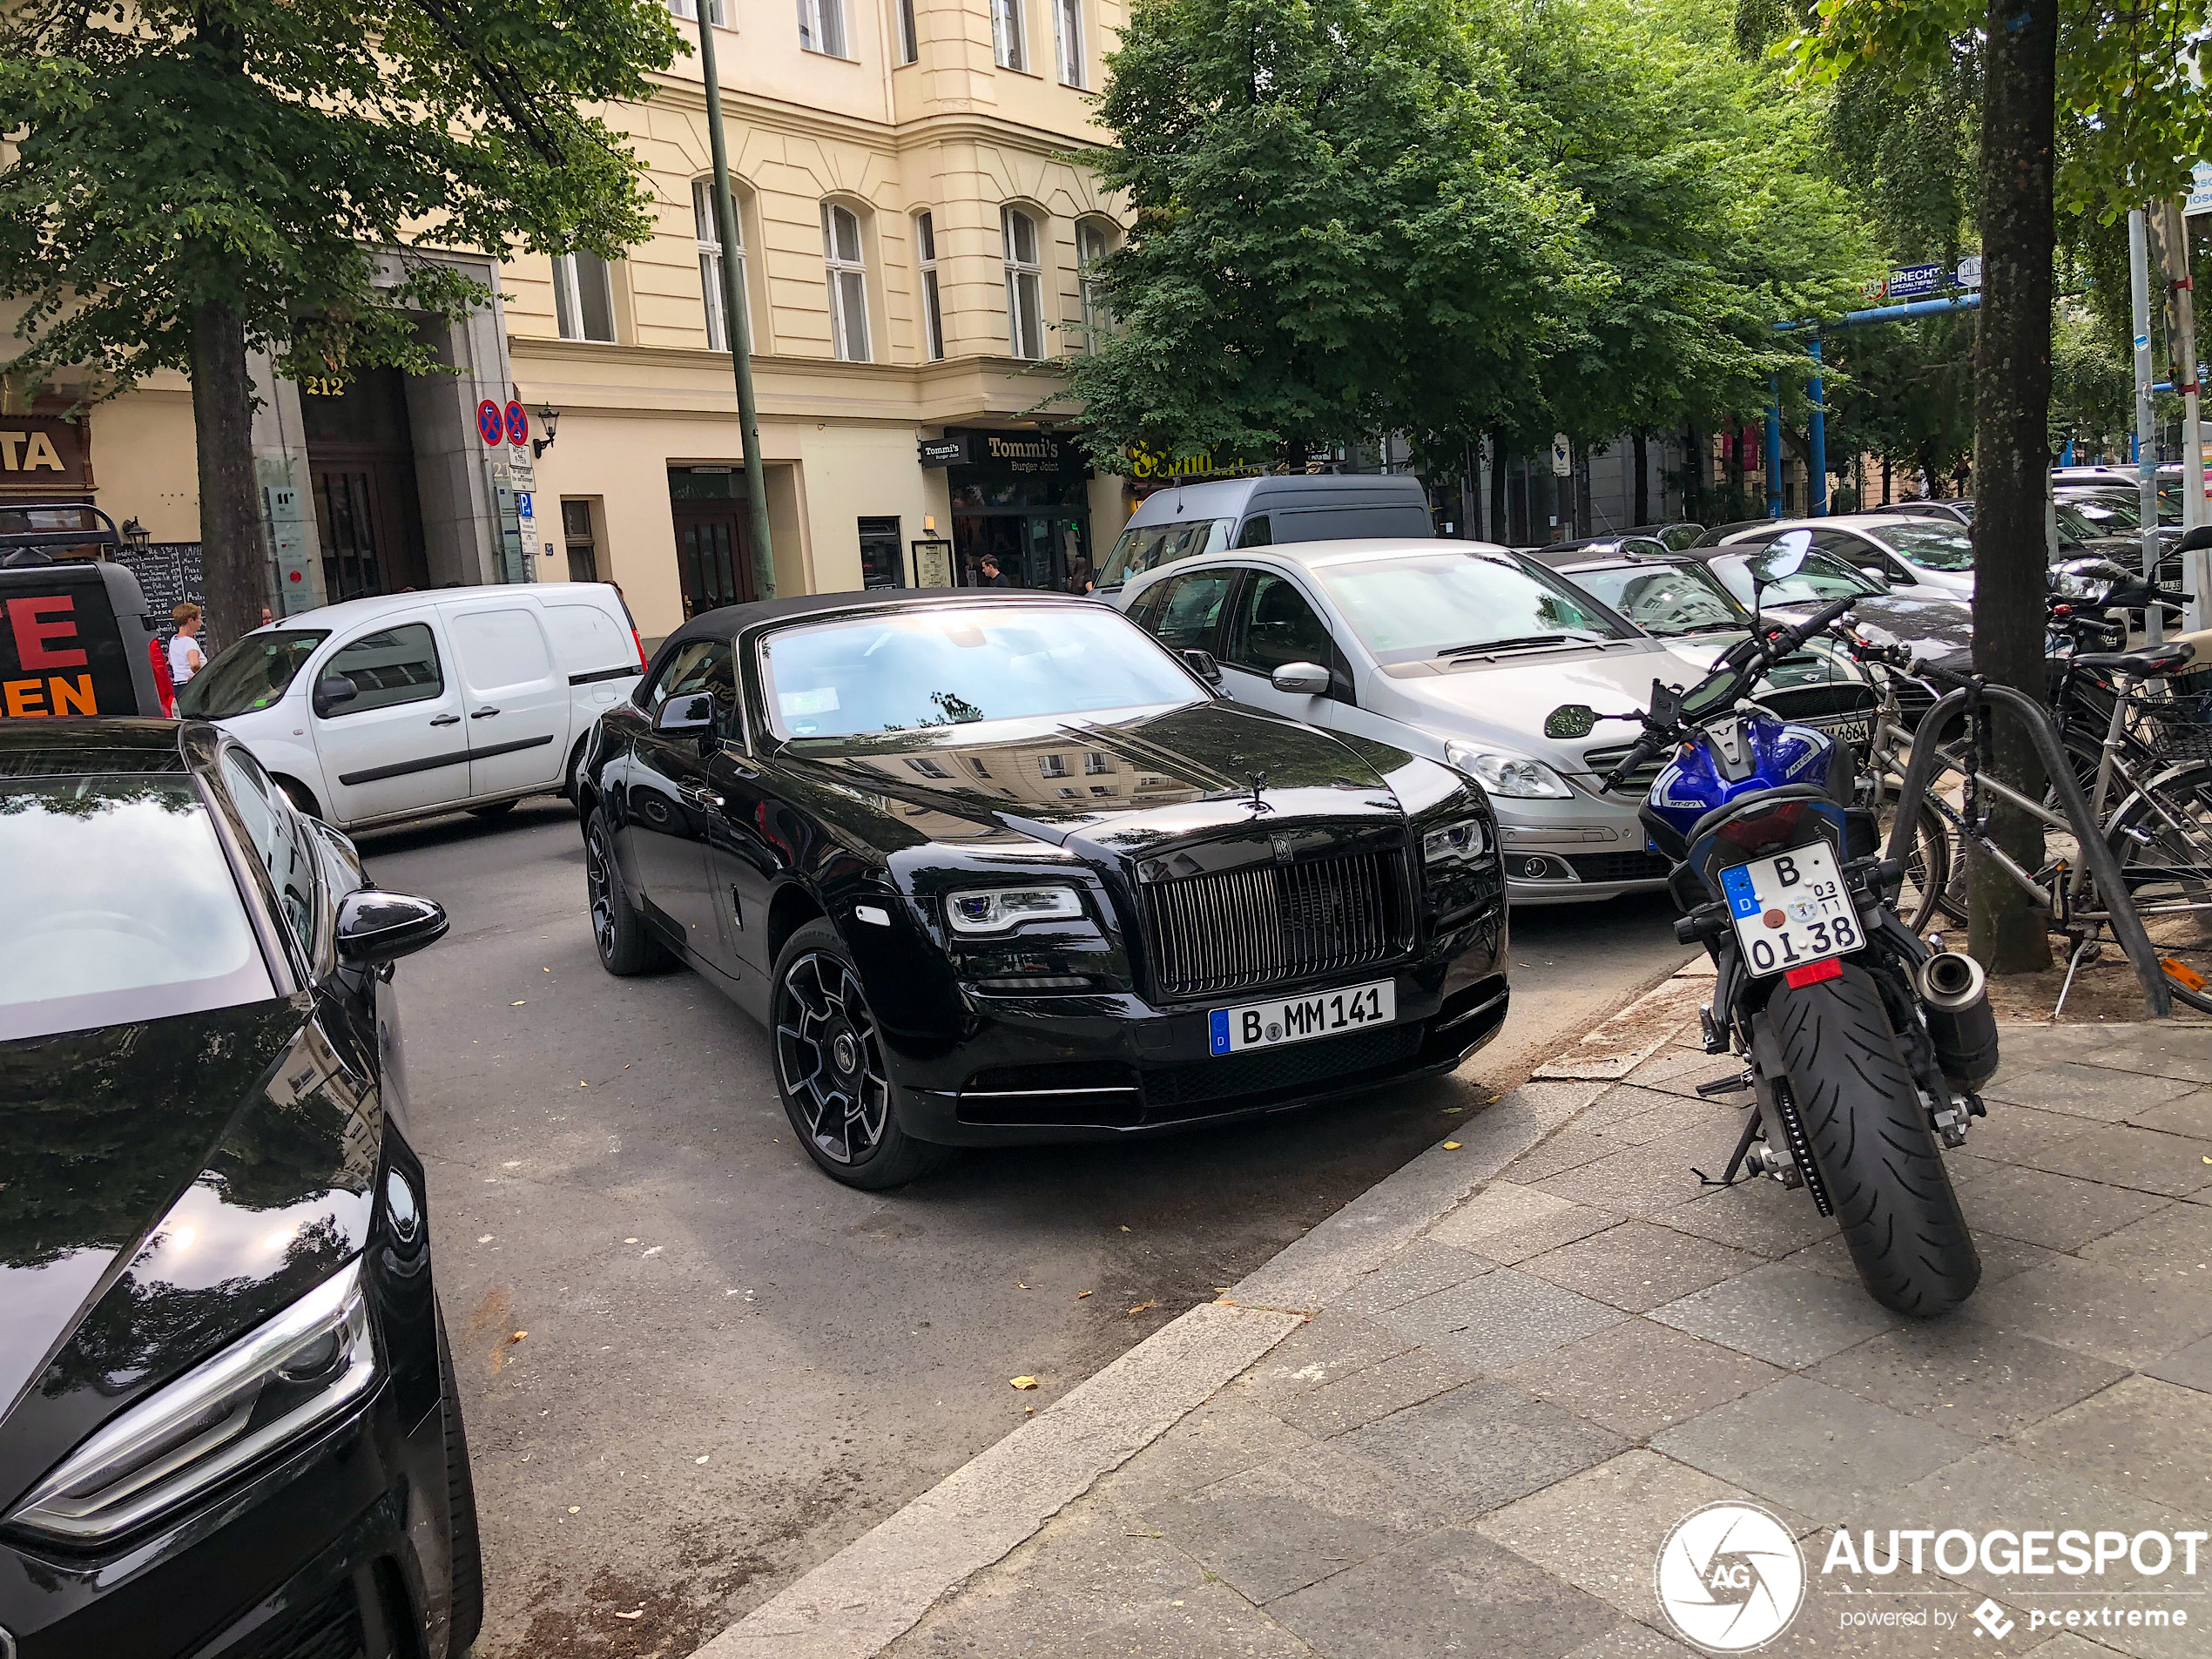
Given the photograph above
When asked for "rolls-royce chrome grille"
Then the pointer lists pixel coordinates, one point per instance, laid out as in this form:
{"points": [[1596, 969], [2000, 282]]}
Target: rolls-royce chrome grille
{"points": [[1265, 923]]}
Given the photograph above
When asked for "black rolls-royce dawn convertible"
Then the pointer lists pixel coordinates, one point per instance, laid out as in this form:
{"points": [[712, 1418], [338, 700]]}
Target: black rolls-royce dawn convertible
{"points": [[999, 867]]}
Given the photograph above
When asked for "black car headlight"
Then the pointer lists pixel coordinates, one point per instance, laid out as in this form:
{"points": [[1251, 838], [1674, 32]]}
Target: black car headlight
{"points": [[1462, 842], [268, 1388], [994, 910]]}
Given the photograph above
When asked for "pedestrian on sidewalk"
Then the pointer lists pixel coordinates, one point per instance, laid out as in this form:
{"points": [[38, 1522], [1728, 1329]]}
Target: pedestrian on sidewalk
{"points": [[184, 656]]}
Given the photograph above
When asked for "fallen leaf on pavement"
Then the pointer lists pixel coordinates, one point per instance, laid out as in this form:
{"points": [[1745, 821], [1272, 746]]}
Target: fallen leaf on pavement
{"points": [[1140, 1307], [574, 1510], [518, 1004], [1124, 1229], [518, 1336], [1023, 1382], [1081, 1294], [639, 1614], [702, 1460], [1451, 1146], [629, 1241], [485, 1239]]}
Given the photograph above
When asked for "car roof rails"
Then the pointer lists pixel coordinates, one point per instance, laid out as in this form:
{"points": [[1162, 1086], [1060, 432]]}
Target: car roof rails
{"points": [[27, 547]]}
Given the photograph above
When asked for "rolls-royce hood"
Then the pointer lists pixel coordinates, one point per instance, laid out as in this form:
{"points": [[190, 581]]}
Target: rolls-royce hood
{"points": [[168, 1185], [1122, 782]]}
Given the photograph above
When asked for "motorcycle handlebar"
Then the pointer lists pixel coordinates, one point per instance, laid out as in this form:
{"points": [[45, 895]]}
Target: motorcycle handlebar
{"points": [[1647, 748]]}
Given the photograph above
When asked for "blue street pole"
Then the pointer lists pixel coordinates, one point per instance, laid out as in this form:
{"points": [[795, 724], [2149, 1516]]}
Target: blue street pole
{"points": [[1773, 447], [1817, 438]]}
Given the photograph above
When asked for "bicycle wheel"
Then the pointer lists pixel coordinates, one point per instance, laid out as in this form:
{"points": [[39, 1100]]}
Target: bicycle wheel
{"points": [[2162, 839], [1927, 867]]}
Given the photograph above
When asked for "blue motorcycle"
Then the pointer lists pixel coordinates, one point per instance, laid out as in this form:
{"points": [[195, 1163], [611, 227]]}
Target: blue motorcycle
{"points": [[1864, 1045]]}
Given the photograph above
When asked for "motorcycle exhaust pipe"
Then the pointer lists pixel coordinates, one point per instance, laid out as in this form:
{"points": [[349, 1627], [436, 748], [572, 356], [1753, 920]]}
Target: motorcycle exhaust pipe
{"points": [[1954, 998]]}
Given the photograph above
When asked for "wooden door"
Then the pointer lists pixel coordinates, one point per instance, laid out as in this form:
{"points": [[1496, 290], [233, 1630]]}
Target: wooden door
{"points": [[711, 559]]}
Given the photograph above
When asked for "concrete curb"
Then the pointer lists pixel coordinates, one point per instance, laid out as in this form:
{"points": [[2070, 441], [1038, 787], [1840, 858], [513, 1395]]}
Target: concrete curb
{"points": [[878, 1587]]}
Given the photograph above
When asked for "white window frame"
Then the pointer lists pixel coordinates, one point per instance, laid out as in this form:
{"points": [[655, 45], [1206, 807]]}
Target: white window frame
{"points": [[1023, 278], [848, 286], [821, 28], [909, 34], [1067, 39], [705, 220], [569, 276], [1093, 243], [1010, 44], [689, 10], [932, 305]]}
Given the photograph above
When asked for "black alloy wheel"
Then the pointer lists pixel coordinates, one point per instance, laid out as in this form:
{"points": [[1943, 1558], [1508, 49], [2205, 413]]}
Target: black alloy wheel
{"points": [[617, 931], [830, 1068]]}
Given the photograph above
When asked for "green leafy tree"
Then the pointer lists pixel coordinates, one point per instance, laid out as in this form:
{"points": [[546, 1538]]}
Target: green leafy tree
{"points": [[189, 181]]}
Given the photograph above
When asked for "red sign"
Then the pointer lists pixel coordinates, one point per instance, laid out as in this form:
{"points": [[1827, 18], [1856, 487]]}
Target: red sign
{"points": [[518, 424], [490, 426]]}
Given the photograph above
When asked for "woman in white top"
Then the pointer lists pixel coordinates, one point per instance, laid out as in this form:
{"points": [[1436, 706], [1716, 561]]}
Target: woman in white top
{"points": [[184, 658]]}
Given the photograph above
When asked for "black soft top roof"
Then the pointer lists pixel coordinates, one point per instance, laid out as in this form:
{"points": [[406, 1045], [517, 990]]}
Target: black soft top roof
{"points": [[102, 743]]}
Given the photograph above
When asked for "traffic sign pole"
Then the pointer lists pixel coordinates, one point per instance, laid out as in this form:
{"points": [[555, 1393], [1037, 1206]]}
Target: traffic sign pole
{"points": [[1817, 438], [1773, 447], [2146, 434]]}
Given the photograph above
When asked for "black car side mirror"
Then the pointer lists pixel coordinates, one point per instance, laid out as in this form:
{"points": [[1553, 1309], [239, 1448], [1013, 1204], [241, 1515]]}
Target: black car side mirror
{"points": [[374, 928], [1202, 663], [694, 713], [2195, 541], [332, 690]]}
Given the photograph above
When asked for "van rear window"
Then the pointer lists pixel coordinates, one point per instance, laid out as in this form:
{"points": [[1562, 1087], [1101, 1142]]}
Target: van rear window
{"points": [[1344, 523]]}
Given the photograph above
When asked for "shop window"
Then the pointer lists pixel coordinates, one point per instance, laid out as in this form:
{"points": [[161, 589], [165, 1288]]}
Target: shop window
{"points": [[821, 27], [881, 565], [1007, 47], [1067, 37], [583, 297], [708, 225], [1024, 283], [848, 282], [1093, 243], [582, 544], [933, 308], [910, 36]]}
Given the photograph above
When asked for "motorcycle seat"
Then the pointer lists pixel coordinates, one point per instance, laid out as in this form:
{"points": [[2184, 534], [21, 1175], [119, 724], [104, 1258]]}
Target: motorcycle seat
{"points": [[2147, 663]]}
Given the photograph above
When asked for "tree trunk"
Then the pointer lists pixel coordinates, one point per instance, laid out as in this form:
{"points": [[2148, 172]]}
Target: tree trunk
{"points": [[2012, 442], [229, 511], [1694, 462], [1500, 530], [1643, 476]]}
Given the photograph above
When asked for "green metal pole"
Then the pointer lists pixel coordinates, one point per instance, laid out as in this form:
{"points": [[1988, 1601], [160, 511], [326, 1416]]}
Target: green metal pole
{"points": [[733, 310]]}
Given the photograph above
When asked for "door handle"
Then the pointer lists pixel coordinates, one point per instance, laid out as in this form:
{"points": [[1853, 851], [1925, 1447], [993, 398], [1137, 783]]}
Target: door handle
{"points": [[699, 797], [445, 720], [478, 714]]}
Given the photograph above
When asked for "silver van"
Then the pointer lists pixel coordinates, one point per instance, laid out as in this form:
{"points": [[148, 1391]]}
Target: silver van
{"points": [[1185, 520]]}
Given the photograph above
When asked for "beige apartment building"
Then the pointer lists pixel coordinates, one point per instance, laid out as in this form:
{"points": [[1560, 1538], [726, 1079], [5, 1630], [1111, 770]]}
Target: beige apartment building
{"points": [[914, 250]]}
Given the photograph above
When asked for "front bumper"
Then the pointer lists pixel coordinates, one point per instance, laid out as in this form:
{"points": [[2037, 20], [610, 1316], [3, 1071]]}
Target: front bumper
{"points": [[1576, 851], [1046, 1068], [339, 1547]]}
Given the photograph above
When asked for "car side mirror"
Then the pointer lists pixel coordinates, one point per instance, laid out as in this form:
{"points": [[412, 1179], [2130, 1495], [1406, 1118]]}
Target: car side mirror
{"points": [[1300, 679], [332, 689], [1877, 576], [374, 928], [1202, 663], [2195, 540], [694, 713]]}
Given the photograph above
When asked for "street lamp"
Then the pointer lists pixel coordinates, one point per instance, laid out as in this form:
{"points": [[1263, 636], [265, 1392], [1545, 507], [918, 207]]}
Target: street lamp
{"points": [[137, 534], [549, 419]]}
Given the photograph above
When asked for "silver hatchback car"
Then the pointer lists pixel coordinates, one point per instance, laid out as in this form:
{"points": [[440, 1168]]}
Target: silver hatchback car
{"points": [[1459, 650]]}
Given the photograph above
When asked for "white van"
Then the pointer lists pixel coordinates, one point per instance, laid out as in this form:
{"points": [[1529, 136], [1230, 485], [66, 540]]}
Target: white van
{"points": [[1184, 520], [381, 710]]}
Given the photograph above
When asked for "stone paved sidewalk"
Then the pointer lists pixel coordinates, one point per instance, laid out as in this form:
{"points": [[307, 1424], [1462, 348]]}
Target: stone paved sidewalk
{"points": [[1478, 1447]]}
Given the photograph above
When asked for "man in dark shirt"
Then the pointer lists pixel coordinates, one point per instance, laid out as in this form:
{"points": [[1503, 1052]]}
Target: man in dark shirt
{"points": [[992, 576]]}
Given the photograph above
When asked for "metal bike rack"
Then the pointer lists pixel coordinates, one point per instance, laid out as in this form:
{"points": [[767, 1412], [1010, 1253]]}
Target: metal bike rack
{"points": [[2127, 925]]}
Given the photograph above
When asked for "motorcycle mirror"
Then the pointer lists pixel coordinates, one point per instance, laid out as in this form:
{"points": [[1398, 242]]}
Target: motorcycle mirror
{"points": [[1783, 559], [1571, 720], [2195, 541]]}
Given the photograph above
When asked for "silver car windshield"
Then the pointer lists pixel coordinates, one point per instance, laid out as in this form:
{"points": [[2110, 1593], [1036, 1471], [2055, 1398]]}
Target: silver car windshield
{"points": [[1669, 600], [1438, 603], [901, 671], [1930, 545], [1817, 580]]}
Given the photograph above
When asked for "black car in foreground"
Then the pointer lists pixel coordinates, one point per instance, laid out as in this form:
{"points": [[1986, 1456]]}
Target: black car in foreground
{"points": [[998, 866], [227, 1426]]}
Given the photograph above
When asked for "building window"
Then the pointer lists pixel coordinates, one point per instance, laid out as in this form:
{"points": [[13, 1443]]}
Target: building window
{"points": [[1095, 764], [1052, 766], [1067, 37], [848, 283], [1024, 283], [709, 226], [822, 26], [583, 297], [582, 545], [1101, 789], [928, 768], [933, 309], [910, 36], [1091, 247], [690, 9], [1006, 44]]}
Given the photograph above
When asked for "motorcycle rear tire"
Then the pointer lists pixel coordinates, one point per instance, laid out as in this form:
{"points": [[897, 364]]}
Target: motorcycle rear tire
{"points": [[1872, 1144]]}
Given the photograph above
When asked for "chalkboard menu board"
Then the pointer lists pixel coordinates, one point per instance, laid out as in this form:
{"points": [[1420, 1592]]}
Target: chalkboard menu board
{"points": [[168, 572]]}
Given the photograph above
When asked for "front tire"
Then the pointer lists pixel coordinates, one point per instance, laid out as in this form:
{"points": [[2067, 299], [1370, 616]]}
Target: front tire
{"points": [[829, 1070], [467, 1566], [1873, 1146], [625, 945]]}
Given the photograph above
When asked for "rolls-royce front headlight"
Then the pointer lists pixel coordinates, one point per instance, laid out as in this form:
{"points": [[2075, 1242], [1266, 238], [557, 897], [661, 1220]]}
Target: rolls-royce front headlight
{"points": [[994, 910], [1460, 841]]}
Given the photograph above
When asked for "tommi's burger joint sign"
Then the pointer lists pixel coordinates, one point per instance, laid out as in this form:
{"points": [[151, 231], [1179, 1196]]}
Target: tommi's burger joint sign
{"points": [[43, 456]]}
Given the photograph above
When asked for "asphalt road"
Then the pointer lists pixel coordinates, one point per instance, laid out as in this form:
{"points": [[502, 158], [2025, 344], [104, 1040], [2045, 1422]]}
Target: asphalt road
{"points": [[691, 1367]]}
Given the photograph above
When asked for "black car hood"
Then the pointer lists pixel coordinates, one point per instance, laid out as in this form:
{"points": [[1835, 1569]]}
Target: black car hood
{"points": [[164, 1187], [1131, 780]]}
